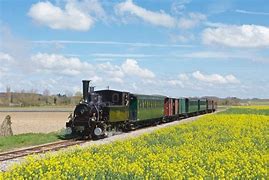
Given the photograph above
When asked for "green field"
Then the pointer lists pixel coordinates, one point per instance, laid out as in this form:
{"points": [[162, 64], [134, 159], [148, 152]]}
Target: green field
{"points": [[216, 146], [259, 110], [29, 139]]}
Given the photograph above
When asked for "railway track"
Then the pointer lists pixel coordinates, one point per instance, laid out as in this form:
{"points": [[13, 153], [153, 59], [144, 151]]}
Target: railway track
{"points": [[39, 149]]}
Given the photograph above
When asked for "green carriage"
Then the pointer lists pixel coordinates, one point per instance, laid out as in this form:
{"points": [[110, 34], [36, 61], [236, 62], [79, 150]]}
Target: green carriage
{"points": [[202, 105], [146, 107], [182, 106], [192, 106]]}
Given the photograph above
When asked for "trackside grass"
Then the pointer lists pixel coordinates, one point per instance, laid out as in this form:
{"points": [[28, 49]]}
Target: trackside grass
{"points": [[29, 139], [213, 147]]}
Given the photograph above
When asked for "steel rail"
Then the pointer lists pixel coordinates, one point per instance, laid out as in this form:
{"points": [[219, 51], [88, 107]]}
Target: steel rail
{"points": [[39, 149]]}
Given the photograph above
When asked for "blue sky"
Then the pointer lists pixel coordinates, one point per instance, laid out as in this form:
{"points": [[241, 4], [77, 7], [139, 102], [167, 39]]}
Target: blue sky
{"points": [[169, 47]]}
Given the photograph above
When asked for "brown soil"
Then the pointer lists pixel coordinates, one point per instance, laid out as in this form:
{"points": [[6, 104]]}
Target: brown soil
{"points": [[36, 122]]}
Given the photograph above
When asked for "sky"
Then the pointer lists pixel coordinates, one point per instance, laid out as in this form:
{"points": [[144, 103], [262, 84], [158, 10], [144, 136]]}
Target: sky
{"points": [[170, 47]]}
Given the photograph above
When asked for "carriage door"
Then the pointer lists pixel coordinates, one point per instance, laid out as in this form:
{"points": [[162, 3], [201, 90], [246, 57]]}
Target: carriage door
{"points": [[133, 108], [187, 104], [174, 106]]}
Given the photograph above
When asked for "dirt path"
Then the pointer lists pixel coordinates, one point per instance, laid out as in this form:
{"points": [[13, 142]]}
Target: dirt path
{"points": [[36, 122]]}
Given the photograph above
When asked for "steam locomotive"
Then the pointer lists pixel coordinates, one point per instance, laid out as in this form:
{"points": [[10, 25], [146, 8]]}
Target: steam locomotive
{"points": [[105, 110]]}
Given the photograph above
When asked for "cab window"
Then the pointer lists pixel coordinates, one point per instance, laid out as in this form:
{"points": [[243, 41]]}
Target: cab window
{"points": [[115, 98]]}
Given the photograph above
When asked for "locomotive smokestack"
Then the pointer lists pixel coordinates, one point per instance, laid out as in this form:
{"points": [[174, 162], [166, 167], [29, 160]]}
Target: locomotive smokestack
{"points": [[85, 86]]}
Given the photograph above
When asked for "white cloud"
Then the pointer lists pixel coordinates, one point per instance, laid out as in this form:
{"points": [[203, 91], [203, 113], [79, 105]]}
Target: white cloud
{"points": [[178, 7], [56, 64], [96, 79], [129, 9], [75, 15], [113, 72], [130, 67], [60, 64], [251, 12], [183, 77], [183, 37], [4, 57], [232, 79], [134, 44], [112, 55], [214, 24], [61, 74], [175, 82], [154, 18], [245, 36], [191, 21], [215, 78], [214, 55], [6, 63], [94, 7]]}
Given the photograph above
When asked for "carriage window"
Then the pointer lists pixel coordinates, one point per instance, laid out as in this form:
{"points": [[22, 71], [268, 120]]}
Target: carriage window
{"points": [[145, 104], [115, 98]]}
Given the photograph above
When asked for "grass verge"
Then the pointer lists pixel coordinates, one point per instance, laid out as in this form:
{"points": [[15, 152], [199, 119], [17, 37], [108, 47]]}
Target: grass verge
{"points": [[258, 110], [29, 139]]}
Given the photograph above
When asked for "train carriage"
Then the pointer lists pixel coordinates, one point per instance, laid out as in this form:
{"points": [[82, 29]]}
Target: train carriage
{"points": [[202, 106], [210, 105], [145, 108], [192, 106], [171, 109], [183, 107]]}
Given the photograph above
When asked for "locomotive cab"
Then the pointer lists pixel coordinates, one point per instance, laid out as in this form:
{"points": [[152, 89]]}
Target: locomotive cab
{"points": [[116, 106]]}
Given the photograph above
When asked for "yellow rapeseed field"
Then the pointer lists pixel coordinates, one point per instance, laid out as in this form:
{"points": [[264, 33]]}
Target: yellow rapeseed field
{"points": [[215, 146]]}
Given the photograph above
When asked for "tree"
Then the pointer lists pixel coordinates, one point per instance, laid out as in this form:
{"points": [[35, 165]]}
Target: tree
{"points": [[46, 92], [78, 93], [68, 93], [8, 93]]}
